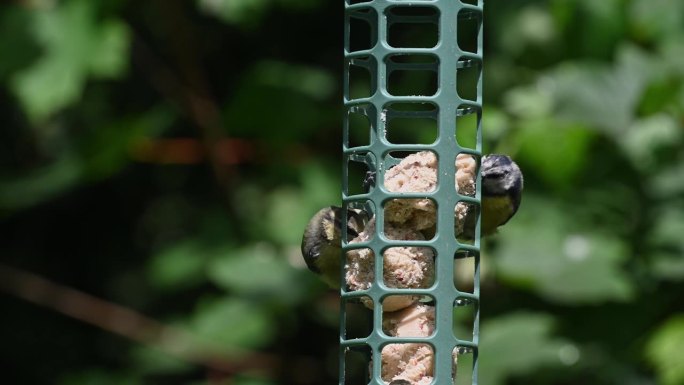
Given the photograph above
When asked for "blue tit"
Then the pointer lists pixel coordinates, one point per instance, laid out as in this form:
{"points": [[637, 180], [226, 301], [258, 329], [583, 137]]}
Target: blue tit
{"points": [[322, 241], [502, 186]]}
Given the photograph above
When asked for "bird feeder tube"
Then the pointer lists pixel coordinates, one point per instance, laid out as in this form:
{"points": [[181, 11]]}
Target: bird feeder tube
{"points": [[401, 267]]}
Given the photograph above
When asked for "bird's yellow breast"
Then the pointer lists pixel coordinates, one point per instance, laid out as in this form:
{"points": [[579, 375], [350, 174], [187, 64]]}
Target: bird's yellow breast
{"points": [[496, 210]]}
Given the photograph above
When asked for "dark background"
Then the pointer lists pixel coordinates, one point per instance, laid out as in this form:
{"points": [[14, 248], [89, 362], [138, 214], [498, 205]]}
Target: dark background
{"points": [[159, 160]]}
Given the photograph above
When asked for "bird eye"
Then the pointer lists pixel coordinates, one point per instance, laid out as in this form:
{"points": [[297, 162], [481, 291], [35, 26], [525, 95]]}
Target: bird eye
{"points": [[495, 174]]}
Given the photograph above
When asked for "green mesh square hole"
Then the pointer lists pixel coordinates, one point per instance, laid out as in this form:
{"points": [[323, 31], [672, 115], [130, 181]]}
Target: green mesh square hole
{"points": [[413, 26], [464, 271], [361, 81], [468, 30], [463, 366], [467, 79], [357, 360], [468, 120], [362, 30], [405, 125]]}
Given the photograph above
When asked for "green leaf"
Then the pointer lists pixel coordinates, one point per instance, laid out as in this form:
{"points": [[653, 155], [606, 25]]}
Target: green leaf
{"points": [[672, 55], [287, 215], [178, 267], [109, 57], [243, 13], [647, 137], [528, 101], [669, 267], [664, 349], [517, 344], [15, 37], [150, 360], [600, 96], [541, 250], [77, 46], [289, 209], [557, 151], [320, 185], [248, 14], [657, 19], [661, 95], [498, 125], [258, 270], [40, 184], [670, 227], [532, 25], [232, 323], [668, 261], [668, 181]]}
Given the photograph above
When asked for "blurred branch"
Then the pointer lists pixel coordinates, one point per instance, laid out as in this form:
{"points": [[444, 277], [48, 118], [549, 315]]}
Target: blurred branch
{"points": [[190, 92], [202, 111], [188, 89], [191, 151], [128, 323]]}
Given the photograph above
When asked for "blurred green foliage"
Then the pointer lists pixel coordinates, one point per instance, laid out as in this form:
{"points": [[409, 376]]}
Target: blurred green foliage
{"points": [[165, 156]]}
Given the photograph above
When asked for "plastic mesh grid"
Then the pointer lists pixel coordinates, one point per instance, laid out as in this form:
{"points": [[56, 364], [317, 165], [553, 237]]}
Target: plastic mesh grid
{"points": [[375, 52]]}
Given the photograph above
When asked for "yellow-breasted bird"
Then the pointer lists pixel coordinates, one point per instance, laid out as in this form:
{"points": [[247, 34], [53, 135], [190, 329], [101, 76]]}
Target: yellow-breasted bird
{"points": [[502, 185], [322, 240]]}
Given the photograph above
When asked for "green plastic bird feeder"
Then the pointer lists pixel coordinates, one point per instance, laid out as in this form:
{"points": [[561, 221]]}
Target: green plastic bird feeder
{"points": [[405, 62]]}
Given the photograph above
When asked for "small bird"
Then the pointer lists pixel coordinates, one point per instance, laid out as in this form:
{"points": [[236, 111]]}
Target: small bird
{"points": [[322, 241], [502, 186]]}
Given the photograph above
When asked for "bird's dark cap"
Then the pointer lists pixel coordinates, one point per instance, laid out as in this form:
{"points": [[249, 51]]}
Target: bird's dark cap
{"points": [[496, 160]]}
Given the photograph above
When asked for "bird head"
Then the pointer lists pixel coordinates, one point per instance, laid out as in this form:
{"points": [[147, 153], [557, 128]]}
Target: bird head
{"points": [[500, 176]]}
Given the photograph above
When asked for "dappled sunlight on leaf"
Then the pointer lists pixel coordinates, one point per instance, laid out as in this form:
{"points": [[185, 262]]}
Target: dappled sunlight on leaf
{"points": [[151, 360], [247, 14], [668, 244], [600, 96], [648, 137], [518, 344], [288, 209], [545, 252], [258, 270], [664, 351], [232, 323], [558, 152], [528, 102], [77, 47], [532, 26], [179, 267], [657, 19]]}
